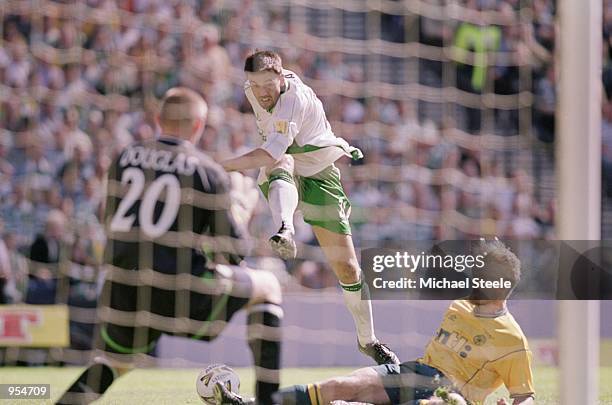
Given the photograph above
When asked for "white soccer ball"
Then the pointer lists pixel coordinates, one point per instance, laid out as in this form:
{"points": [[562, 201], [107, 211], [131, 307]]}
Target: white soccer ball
{"points": [[210, 376]]}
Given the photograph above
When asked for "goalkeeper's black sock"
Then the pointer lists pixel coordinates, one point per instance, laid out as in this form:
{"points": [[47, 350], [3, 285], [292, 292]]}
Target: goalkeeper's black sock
{"points": [[264, 336], [89, 386], [309, 394]]}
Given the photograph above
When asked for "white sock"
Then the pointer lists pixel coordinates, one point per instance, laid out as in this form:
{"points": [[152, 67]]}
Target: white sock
{"points": [[283, 201], [361, 309]]}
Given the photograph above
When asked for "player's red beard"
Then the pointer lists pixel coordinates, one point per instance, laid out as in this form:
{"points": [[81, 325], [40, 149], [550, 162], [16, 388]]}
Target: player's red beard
{"points": [[267, 102]]}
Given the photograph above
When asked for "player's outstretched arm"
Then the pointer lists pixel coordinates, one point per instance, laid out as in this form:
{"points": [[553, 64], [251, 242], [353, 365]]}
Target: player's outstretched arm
{"points": [[252, 160]]}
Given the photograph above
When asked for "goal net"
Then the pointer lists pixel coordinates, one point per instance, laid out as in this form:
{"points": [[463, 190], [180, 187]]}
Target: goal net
{"points": [[451, 101]]}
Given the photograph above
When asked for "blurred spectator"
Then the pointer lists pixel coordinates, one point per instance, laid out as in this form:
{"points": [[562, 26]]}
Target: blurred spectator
{"points": [[208, 65], [74, 87], [18, 212], [545, 104], [75, 137], [313, 275], [87, 206], [19, 65], [543, 12], [45, 255], [5, 268], [471, 48], [606, 135], [333, 68], [18, 280], [6, 168], [37, 170], [524, 225]]}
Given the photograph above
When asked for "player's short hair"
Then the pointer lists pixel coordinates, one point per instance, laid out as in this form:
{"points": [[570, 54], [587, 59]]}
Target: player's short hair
{"points": [[180, 107], [499, 262], [263, 61]]}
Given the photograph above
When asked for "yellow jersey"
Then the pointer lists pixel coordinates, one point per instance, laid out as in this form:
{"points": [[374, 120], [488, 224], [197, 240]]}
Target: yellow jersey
{"points": [[478, 353]]}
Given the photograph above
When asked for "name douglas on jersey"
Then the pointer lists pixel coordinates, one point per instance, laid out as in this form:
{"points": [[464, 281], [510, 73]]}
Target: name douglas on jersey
{"points": [[159, 160]]}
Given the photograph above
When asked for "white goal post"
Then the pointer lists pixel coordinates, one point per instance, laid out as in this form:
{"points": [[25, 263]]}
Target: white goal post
{"points": [[579, 185]]}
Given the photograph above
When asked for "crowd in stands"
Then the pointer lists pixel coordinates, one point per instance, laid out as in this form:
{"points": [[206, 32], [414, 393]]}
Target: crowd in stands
{"points": [[79, 80]]}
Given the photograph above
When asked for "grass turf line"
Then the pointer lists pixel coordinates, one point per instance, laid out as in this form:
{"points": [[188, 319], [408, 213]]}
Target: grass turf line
{"points": [[177, 386]]}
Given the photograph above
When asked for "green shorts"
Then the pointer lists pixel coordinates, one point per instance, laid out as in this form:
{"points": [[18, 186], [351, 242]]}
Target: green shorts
{"points": [[322, 199]]}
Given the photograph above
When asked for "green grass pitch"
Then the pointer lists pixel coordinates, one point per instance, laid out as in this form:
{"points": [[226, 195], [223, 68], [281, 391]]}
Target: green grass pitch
{"points": [[177, 386]]}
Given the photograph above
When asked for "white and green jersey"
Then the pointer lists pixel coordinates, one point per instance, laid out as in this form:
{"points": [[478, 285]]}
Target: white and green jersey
{"points": [[297, 126]]}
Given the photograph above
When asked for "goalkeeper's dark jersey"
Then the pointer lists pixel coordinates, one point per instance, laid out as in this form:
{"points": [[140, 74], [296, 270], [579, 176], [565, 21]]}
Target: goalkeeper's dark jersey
{"points": [[163, 196]]}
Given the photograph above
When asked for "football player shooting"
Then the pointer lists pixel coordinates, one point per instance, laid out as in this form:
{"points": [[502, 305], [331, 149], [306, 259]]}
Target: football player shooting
{"points": [[296, 160], [165, 199], [477, 348]]}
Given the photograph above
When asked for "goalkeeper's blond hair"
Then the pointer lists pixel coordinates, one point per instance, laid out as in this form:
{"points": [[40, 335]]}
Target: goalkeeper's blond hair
{"points": [[180, 111]]}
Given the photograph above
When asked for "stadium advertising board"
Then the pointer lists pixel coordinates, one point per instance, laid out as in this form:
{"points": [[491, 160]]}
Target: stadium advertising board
{"points": [[34, 325]]}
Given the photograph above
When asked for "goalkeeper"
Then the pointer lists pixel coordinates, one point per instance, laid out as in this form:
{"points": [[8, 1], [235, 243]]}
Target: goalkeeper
{"points": [[165, 199], [296, 160], [477, 348]]}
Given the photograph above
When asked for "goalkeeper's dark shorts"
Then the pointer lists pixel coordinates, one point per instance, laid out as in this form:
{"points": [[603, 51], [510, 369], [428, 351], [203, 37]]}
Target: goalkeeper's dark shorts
{"points": [[134, 314], [410, 382]]}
